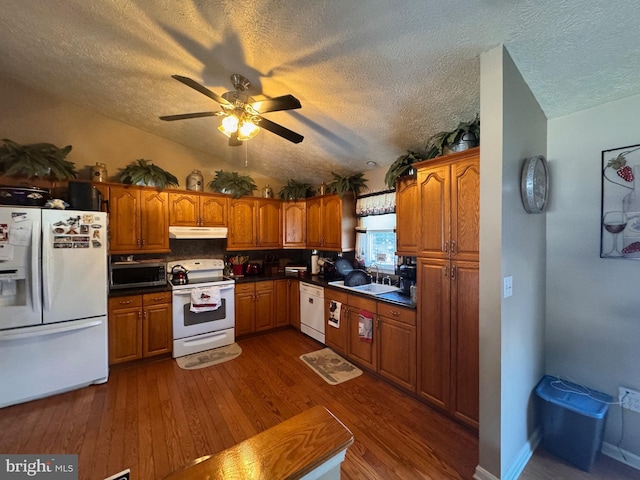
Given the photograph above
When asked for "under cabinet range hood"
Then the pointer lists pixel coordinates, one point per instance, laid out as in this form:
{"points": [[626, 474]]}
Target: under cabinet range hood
{"points": [[197, 232]]}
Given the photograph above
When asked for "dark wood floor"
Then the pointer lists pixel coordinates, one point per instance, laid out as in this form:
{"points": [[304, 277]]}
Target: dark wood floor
{"points": [[154, 418]]}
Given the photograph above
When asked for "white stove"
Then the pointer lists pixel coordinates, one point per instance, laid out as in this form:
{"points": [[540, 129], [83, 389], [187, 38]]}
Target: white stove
{"points": [[195, 332]]}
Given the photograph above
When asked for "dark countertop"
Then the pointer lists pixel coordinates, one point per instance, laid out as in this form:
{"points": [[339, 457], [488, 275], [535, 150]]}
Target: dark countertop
{"points": [[139, 290], [392, 297]]}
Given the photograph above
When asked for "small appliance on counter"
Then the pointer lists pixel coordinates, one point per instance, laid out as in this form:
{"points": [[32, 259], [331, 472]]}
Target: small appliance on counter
{"points": [[84, 196], [297, 270], [137, 274], [407, 279], [253, 268]]}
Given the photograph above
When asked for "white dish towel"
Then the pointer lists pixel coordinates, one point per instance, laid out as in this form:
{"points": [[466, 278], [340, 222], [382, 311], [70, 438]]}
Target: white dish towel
{"points": [[205, 299]]}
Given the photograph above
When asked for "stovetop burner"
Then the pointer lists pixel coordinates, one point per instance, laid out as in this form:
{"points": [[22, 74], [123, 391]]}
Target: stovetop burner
{"points": [[201, 272]]}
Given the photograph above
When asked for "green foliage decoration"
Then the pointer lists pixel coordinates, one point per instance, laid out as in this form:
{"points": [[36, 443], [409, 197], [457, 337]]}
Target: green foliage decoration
{"points": [[349, 183], [36, 160], [439, 143], [294, 190], [232, 183], [143, 172], [401, 167]]}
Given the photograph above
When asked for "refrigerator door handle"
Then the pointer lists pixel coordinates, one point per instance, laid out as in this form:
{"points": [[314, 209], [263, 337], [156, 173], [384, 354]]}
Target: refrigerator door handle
{"points": [[46, 279], [35, 262], [39, 331]]}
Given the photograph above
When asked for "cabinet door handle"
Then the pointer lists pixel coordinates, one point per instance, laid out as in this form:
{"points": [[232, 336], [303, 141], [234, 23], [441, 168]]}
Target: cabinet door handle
{"points": [[146, 314], [446, 247], [139, 315], [453, 273], [124, 302], [453, 247], [445, 269], [156, 299], [138, 242], [144, 242], [394, 313]]}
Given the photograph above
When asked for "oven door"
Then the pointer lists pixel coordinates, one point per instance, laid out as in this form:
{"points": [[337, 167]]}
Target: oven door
{"points": [[187, 323]]}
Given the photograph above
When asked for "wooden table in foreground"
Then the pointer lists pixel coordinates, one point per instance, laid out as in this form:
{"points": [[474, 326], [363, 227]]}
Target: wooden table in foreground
{"points": [[310, 445]]}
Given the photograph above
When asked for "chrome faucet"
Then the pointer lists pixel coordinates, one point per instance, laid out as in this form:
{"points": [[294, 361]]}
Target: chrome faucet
{"points": [[377, 271], [386, 278]]}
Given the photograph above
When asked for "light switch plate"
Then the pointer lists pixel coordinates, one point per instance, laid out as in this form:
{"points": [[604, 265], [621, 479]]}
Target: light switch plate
{"points": [[508, 286]]}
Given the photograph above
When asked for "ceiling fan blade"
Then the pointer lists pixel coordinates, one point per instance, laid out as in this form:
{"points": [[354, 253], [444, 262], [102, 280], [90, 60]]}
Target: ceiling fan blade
{"points": [[285, 102], [201, 88], [184, 116], [233, 140], [280, 130]]}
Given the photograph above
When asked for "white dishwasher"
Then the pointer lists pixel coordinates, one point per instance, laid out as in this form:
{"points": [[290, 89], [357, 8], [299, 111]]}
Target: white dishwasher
{"points": [[312, 311]]}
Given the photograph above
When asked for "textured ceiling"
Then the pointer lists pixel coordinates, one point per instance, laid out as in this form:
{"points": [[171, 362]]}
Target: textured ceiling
{"points": [[374, 77]]}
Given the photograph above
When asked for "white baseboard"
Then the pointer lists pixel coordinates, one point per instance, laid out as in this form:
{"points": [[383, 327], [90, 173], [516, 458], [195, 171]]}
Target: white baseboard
{"points": [[482, 474], [516, 468], [629, 458]]}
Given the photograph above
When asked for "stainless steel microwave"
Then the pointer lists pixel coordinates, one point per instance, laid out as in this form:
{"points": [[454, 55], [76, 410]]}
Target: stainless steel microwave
{"points": [[137, 274]]}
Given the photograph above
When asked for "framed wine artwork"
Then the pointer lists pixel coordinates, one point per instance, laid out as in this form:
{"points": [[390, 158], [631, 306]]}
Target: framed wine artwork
{"points": [[620, 213]]}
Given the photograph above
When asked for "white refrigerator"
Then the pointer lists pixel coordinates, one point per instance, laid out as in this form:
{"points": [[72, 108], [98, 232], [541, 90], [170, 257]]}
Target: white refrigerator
{"points": [[53, 301]]}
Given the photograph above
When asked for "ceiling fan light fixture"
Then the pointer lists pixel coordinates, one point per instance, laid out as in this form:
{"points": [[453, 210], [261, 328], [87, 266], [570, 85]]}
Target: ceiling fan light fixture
{"points": [[241, 113], [247, 130], [229, 125]]}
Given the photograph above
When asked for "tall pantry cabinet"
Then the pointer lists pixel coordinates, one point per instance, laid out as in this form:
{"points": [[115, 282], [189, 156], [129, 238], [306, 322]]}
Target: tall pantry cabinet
{"points": [[448, 273]]}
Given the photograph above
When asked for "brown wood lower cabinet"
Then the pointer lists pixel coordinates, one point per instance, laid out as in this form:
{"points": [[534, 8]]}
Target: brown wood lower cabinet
{"points": [[397, 344], [139, 326], [392, 353], [362, 352], [336, 337], [267, 304], [293, 286], [254, 307], [448, 336]]}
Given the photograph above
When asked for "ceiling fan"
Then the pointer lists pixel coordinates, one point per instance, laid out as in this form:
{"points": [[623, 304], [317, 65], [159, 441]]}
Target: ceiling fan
{"points": [[242, 114]]}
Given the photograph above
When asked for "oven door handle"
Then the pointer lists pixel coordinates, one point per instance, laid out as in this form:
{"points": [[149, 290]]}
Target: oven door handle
{"points": [[188, 292]]}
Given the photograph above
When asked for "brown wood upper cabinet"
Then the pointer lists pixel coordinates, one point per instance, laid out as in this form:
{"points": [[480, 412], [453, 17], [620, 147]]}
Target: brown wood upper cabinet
{"points": [[254, 223], [139, 220], [407, 216], [448, 192], [294, 224], [331, 222], [198, 209], [448, 284]]}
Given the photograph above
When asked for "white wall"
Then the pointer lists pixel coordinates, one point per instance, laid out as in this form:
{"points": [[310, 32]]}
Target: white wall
{"points": [[512, 243], [593, 304], [29, 116]]}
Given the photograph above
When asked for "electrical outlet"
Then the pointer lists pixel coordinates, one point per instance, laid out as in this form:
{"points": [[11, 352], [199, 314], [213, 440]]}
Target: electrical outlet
{"points": [[629, 399], [508, 286]]}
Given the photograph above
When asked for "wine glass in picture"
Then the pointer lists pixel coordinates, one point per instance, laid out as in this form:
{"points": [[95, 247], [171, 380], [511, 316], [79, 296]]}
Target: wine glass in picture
{"points": [[614, 223]]}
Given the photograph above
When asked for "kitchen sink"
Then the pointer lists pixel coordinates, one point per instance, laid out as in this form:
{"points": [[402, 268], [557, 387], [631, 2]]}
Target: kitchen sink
{"points": [[369, 288]]}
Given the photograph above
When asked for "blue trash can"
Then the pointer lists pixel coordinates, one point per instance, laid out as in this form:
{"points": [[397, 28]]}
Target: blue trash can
{"points": [[573, 420]]}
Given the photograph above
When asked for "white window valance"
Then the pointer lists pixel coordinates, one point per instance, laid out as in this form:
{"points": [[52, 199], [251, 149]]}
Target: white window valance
{"points": [[377, 203]]}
